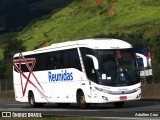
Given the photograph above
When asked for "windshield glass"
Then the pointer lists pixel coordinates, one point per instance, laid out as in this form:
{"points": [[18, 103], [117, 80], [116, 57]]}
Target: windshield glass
{"points": [[116, 67]]}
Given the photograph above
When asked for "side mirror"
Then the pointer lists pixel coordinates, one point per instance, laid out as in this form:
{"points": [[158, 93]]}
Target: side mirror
{"points": [[95, 61], [144, 59]]}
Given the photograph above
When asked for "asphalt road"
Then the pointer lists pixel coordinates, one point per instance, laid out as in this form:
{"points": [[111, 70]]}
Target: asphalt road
{"points": [[134, 109]]}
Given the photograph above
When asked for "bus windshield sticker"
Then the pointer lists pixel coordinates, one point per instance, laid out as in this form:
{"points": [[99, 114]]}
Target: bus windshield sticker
{"points": [[103, 76], [108, 78]]}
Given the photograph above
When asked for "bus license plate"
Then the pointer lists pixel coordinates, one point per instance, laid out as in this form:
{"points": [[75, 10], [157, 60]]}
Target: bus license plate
{"points": [[123, 97]]}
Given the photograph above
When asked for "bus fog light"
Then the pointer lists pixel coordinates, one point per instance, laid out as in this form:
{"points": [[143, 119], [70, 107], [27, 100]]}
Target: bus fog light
{"points": [[138, 96], [105, 98]]}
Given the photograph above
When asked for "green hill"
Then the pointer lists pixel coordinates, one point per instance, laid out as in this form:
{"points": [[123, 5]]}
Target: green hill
{"points": [[136, 21], [17, 14], [88, 18]]}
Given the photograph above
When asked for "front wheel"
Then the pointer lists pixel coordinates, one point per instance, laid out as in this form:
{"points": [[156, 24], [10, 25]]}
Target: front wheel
{"points": [[81, 100], [118, 104]]}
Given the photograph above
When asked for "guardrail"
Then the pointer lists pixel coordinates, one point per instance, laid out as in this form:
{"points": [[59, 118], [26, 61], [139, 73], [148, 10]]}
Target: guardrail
{"points": [[6, 84], [149, 91]]}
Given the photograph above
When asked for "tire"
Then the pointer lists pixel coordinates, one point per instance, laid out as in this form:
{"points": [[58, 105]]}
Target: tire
{"points": [[118, 104], [81, 100], [31, 100]]}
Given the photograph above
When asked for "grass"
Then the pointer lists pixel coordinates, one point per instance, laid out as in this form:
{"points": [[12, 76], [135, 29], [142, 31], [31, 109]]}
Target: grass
{"points": [[86, 19], [7, 95], [82, 19]]}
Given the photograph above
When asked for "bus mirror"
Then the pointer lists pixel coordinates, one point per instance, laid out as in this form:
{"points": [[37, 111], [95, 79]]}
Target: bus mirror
{"points": [[95, 61], [144, 59]]}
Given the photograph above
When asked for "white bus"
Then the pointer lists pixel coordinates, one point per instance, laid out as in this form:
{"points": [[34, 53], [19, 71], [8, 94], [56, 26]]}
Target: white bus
{"points": [[84, 72]]}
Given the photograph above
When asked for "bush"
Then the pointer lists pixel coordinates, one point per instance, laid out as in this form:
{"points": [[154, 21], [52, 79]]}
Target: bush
{"points": [[156, 71]]}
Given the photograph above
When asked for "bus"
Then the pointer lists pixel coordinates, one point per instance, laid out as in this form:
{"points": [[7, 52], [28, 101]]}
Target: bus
{"points": [[83, 72], [145, 72]]}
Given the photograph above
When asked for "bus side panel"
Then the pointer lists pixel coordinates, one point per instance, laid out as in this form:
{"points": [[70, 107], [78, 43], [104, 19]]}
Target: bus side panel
{"points": [[18, 88]]}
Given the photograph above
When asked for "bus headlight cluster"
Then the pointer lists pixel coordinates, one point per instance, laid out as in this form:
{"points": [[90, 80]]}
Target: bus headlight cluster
{"points": [[102, 90], [137, 89]]}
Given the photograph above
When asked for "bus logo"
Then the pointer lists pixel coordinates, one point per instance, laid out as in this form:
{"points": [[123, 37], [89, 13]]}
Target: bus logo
{"points": [[63, 76], [17, 65]]}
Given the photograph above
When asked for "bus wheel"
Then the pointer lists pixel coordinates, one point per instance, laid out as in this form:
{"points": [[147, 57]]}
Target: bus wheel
{"points": [[118, 104], [82, 101], [32, 100]]}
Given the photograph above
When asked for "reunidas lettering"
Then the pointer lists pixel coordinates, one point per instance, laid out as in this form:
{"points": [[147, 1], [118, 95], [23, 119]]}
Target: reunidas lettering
{"points": [[63, 76]]}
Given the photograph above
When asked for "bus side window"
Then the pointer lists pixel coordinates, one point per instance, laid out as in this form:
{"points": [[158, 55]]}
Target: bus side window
{"points": [[88, 64], [51, 60], [36, 67], [74, 59], [89, 67], [61, 59], [67, 62]]}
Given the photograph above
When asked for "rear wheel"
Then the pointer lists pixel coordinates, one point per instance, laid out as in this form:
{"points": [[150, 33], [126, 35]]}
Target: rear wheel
{"points": [[81, 100], [32, 102], [118, 104]]}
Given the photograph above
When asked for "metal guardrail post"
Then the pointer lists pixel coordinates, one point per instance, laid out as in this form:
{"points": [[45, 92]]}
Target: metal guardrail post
{"points": [[0, 84], [6, 84]]}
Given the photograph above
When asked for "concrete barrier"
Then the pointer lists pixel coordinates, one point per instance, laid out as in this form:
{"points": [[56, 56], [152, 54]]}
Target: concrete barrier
{"points": [[150, 91]]}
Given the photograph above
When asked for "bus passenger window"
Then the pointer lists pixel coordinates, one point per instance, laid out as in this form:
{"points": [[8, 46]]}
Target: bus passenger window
{"points": [[74, 59], [52, 64], [60, 59], [89, 67]]}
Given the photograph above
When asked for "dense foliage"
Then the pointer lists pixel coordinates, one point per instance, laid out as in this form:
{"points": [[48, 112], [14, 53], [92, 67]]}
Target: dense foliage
{"points": [[136, 21]]}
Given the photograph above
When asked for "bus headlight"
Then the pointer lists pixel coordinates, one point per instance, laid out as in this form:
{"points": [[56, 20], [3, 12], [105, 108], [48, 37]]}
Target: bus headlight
{"points": [[137, 89], [102, 90]]}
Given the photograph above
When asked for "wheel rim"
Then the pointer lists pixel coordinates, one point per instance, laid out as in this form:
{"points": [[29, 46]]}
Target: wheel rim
{"points": [[32, 100], [82, 100]]}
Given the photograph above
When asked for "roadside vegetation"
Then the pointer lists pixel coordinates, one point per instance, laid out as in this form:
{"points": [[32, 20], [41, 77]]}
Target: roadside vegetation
{"points": [[137, 22]]}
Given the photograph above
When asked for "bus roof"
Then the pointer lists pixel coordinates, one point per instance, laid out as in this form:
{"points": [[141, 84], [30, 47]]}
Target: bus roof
{"points": [[103, 43], [95, 43]]}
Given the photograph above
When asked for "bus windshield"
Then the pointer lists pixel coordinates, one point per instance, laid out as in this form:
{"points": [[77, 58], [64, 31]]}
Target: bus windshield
{"points": [[117, 67]]}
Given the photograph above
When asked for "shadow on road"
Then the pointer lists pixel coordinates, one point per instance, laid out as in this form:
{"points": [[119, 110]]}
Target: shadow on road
{"points": [[134, 105]]}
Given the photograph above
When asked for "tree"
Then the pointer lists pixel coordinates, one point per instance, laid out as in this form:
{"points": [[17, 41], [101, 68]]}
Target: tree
{"points": [[13, 46]]}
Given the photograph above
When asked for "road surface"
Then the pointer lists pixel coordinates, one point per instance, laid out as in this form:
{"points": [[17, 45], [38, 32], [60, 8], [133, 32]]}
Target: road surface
{"points": [[132, 109]]}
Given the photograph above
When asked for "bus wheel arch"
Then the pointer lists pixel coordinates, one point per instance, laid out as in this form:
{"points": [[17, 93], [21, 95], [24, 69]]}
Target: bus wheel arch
{"points": [[31, 100], [81, 99]]}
